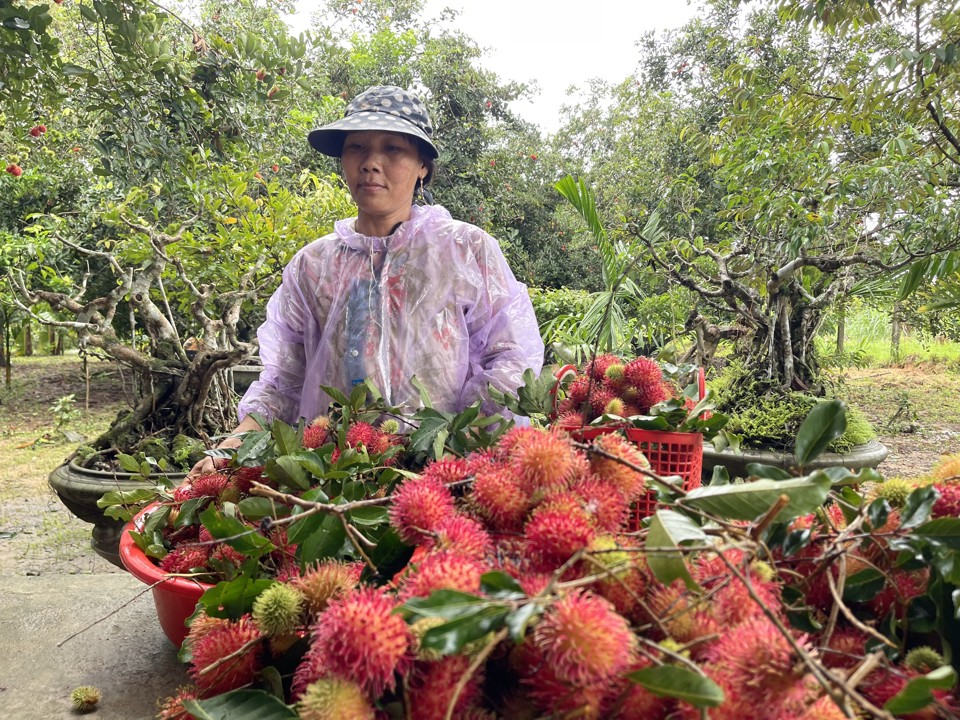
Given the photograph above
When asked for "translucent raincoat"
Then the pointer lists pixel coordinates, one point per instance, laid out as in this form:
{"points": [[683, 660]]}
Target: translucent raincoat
{"points": [[435, 300]]}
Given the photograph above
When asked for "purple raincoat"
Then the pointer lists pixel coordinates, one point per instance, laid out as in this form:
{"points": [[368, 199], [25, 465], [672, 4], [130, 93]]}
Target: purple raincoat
{"points": [[435, 300]]}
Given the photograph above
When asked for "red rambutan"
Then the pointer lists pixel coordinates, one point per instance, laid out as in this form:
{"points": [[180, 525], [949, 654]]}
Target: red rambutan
{"points": [[360, 638], [210, 667], [643, 373], [603, 502], [597, 368], [631, 483], [361, 433], [419, 506], [432, 685], [442, 571], [315, 436], [543, 460], [845, 649], [948, 504], [555, 531], [186, 559], [210, 485], [172, 708], [501, 500], [447, 470], [461, 535], [583, 639]]}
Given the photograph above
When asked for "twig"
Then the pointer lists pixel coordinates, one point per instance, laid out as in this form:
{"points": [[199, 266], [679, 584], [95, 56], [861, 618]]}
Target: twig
{"points": [[108, 615], [478, 660]]}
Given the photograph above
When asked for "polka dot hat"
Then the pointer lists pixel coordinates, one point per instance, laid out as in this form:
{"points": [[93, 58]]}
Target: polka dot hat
{"points": [[384, 107]]}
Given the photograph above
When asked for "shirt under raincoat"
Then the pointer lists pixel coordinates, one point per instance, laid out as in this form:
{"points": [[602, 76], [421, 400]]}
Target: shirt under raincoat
{"points": [[435, 300]]}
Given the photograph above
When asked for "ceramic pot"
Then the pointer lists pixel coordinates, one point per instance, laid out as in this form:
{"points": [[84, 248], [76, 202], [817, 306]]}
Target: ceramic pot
{"points": [[174, 597], [868, 455], [80, 488]]}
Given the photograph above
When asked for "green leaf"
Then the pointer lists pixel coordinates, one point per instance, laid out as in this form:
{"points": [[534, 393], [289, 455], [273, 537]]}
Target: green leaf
{"points": [[288, 471], [917, 693], [448, 604], [498, 584], [284, 437], [126, 497], [368, 516], [943, 531], [769, 472], [422, 439], [681, 683], [450, 637], [232, 599], [255, 508], [919, 505], [236, 534], [825, 423], [668, 529], [328, 541], [88, 13], [240, 705], [748, 501], [518, 620], [128, 463]]}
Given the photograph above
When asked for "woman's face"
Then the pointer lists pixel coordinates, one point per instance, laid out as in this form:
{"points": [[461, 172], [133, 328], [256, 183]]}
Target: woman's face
{"points": [[381, 169]]}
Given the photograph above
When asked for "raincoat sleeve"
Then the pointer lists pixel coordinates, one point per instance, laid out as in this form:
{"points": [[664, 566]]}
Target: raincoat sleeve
{"points": [[277, 393], [504, 335]]}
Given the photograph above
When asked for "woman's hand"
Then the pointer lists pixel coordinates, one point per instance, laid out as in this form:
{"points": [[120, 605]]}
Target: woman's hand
{"points": [[235, 439]]}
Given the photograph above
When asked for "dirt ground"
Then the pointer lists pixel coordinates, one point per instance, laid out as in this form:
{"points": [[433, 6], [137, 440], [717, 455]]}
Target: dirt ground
{"points": [[915, 410]]}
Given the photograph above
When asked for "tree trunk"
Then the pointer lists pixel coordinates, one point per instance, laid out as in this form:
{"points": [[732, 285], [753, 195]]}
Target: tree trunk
{"points": [[27, 339], [841, 331]]}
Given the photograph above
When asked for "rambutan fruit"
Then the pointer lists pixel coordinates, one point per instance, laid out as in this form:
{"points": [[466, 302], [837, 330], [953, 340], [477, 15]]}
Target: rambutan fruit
{"points": [[362, 433], [901, 587], [224, 555], [631, 483], [418, 629], [462, 536], [597, 368], [614, 374], [185, 560], [334, 699], [172, 707], [534, 583], [601, 398], [543, 460], [390, 426], [823, 708], [555, 532], [327, 581], [244, 478], [579, 390], [584, 640], [317, 433], [845, 649], [757, 668], [948, 468], [948, 504], [418, 507], [648, 397], [277, 610], [447, 470], [442, 571], [615, 406], [570, 419], [500, 499], [642, 372], [209, 485], [359, 637], [226, 657], [432, 686], [895, 491], [631, 701], [687, 618], [603, 501], [85, 698], [923, 659], [183, 492]]}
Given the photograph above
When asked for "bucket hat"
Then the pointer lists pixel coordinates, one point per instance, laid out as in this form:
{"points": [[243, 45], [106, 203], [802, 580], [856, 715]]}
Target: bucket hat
{"points": [[383, 107]]}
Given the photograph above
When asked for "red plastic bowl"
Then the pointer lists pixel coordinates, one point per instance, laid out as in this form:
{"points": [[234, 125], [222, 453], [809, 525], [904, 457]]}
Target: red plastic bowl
{"points": [[174, 597]]}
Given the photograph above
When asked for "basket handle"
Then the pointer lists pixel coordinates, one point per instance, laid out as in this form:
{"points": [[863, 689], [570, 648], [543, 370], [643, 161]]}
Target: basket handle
{"points": [[560, 374]]}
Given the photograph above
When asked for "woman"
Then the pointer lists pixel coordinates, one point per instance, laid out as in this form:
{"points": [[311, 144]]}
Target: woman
{"points": [[400, 291]]}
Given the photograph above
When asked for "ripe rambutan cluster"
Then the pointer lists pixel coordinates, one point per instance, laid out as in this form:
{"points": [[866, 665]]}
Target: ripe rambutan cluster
{"points": [[609, 385]]}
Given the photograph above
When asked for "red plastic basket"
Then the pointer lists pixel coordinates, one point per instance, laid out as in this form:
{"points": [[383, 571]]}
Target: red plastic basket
{"points": [[669, 453]]}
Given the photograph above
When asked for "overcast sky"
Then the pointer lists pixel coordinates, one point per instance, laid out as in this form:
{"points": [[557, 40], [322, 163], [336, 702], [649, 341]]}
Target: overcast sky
{"points": [[560, 43]]}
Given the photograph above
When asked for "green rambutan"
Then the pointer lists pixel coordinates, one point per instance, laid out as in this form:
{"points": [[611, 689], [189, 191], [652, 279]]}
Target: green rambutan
{"points": [[895, 491], [327, 581], [85, 698], [226, 657], [600, 398], [361, 638], [418, 629], [334, 699], [499, 498], [923, 659], [390, 426], [418, 507], [543, 460], [442, 571], [584, 640], [948, 468], [614, 374], [277, 609], [631, 483], [615, 406]]}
